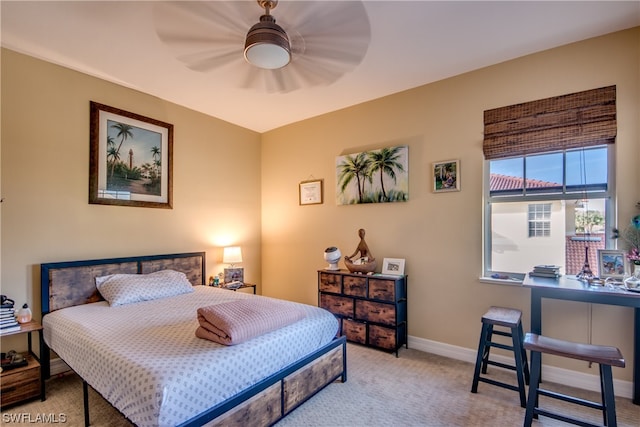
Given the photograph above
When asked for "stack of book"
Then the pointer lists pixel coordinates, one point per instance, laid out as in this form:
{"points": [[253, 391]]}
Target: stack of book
{"points": [[8, 321], [552, 271]]}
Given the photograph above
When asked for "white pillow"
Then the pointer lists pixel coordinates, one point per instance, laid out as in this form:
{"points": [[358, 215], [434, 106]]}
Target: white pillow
{"points": [[120, 289]]}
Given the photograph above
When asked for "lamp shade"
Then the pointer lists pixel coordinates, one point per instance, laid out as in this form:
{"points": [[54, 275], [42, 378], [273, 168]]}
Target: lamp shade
{"points": [[267, 45], [232, 255]]}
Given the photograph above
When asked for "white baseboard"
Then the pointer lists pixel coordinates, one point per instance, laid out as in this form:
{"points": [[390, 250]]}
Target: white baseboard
{"points": [[551, 373], [58, 367]]}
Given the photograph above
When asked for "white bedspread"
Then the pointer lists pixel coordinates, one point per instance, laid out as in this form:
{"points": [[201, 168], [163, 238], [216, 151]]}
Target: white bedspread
{"points": [[145, 359]]}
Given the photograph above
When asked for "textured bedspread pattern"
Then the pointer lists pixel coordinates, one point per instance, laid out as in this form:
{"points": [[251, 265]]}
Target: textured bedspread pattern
{"points": [[145, 359], [235, 322]]}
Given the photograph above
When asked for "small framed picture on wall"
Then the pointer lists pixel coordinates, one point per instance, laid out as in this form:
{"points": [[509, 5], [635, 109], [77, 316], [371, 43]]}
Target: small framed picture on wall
{"points": [[311, 192], [446, 176]]}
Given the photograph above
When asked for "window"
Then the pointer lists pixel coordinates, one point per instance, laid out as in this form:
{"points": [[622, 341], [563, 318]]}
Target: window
{"points": [[547, 208], [549, 181], [539, 220]]}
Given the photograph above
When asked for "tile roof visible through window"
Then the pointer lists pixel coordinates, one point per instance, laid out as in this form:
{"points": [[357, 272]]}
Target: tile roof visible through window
{"points": [[575, 252], [499, 182]]}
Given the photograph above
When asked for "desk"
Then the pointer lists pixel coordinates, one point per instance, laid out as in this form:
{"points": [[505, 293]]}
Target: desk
{"points": [[570, 289]]}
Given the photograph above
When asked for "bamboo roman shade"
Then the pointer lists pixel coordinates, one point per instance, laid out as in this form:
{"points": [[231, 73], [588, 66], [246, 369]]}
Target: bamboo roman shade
{"points": [[569, 121]]}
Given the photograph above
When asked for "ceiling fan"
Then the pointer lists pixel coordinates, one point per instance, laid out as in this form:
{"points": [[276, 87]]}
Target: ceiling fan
{"points": [[313, 43]]}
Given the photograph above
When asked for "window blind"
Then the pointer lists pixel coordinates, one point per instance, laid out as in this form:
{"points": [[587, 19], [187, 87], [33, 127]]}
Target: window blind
{"points": [[575, 120]]}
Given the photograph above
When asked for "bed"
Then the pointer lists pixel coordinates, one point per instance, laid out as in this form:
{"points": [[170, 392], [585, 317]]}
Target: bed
{"points": [[143, 357]]}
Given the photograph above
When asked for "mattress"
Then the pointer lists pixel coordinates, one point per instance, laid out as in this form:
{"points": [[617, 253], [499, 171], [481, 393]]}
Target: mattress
{"points": [[145, 359]]}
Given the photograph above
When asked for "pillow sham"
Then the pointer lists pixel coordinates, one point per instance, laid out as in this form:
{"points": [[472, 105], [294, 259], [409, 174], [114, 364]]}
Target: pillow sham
{"points": [[120, 289]]}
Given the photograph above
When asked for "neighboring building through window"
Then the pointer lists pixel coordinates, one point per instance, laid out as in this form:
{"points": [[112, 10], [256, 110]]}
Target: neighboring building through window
{"points": [[540, 220]]}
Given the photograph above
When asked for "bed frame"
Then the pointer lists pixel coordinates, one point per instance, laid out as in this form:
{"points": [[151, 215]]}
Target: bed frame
{"points": [[67, 284]]}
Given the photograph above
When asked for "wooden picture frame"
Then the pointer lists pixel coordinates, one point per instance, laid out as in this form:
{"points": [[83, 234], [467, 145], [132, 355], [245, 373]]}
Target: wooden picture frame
{"points": [[612, 263], [311, 192], [393, 266], [131, 159], [446, 176]]}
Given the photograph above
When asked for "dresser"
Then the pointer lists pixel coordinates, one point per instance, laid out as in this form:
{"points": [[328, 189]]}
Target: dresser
{"points": [[371, 309]]}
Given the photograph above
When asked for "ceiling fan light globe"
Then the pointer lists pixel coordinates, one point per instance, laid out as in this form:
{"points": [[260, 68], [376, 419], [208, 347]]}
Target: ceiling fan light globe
{"points": [[267, 46]]}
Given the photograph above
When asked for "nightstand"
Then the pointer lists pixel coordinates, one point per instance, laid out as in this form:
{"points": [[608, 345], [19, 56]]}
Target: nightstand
{"points": [[26, 382], [244, 286]]}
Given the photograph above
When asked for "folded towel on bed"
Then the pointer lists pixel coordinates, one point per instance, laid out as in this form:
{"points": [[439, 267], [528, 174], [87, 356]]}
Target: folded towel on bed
{"points": [[234, 322]]}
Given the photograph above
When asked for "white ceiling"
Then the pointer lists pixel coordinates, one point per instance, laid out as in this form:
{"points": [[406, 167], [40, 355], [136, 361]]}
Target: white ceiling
{"points": [[412, 43]]}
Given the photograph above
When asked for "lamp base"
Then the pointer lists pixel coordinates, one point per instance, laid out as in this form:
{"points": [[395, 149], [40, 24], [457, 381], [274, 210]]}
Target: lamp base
{"points": [[333, 267]]}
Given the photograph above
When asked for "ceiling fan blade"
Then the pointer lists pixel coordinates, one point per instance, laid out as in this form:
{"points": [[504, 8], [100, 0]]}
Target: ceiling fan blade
{"points": [[208, 60], [328, 39], [202, 35]]}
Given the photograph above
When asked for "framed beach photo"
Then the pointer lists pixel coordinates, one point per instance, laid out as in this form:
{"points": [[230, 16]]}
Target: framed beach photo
{"points": [[131, 159], [311, 192], [446, 176], [393, 266], [611, 263]]}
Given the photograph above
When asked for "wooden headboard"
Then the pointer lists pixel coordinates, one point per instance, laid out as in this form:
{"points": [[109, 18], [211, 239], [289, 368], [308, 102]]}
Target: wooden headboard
{"points": [[65, 284]]}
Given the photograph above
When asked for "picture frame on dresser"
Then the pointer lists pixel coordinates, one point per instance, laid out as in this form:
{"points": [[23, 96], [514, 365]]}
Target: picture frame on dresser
{"points": [[393, 266], [130, 159]]}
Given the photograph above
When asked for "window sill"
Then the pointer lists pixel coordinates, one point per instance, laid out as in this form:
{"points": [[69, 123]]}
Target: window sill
{"points": [[513, 279]]}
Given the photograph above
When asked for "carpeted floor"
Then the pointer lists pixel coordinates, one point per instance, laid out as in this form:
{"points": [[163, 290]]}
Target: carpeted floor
{"points": [[415, 389]]}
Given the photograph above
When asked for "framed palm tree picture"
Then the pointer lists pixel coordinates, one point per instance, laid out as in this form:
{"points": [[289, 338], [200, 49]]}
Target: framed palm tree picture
{"points": [[131, 159], [376, 176]]}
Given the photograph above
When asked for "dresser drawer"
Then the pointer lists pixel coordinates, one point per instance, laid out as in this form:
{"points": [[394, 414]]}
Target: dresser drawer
{"points": [[382, 289], [354, 331], [330, 282], [356, 286], [377, 312], [382, 337], [342, 306]]}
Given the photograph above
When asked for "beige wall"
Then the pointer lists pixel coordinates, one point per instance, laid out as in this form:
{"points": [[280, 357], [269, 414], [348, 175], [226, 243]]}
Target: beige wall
{"points": [[45, 152], [440, 235], [46, 217]]}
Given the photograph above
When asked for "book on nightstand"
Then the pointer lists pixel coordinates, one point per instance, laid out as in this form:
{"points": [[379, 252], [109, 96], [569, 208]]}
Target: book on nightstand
{"points": [[7, 329]]}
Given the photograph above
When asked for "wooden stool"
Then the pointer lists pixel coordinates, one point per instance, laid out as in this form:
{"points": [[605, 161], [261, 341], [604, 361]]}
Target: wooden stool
{"points": [[506, 318], [605, 356]]}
